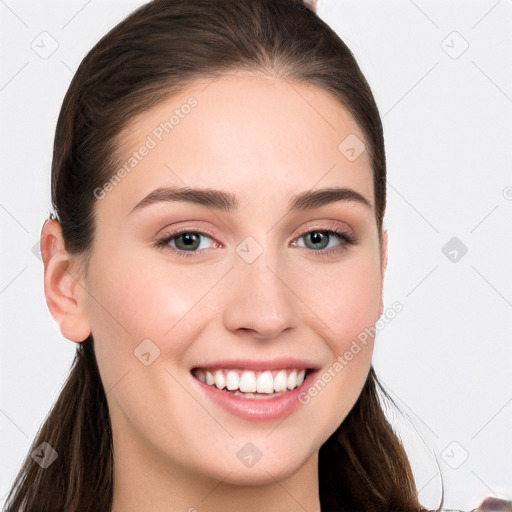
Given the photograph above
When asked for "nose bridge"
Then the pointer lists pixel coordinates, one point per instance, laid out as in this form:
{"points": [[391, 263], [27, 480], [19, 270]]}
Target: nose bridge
{"points": [[260, 299]]}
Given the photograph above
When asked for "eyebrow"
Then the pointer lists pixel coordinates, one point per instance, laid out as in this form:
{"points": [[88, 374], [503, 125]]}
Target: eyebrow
{"points": [[227, 202]]}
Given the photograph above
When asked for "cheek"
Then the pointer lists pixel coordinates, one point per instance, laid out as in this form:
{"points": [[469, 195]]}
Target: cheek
{"points": [[133, 301], [142, 300], [344, 296], [346, 302]]}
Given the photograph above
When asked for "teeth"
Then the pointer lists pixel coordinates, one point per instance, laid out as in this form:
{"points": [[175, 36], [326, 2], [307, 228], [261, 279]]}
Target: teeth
{"points": [[265, 383], [292, 379], [247, 381], [220, 380], [280, 381], [232, 380]]}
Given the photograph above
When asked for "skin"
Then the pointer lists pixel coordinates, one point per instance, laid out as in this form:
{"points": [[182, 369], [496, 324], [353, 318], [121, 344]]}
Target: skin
{"points": [[262, 139]]}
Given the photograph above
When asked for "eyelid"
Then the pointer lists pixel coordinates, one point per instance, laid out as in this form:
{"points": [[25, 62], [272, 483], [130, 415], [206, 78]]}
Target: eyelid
{"points": [[327, 225], [188, 229], [174, 232]]}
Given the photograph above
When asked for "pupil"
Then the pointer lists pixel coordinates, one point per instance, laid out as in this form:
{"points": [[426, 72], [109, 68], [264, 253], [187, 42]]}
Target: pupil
{"points": [[317, 237], [189, 239]]}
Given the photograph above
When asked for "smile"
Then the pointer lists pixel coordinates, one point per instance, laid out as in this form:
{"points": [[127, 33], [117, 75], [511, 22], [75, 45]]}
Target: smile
{"points": [[251, 383]]}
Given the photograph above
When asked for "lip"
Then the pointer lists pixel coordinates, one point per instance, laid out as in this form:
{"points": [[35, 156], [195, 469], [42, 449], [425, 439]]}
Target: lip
{"points": [[250, 409]]}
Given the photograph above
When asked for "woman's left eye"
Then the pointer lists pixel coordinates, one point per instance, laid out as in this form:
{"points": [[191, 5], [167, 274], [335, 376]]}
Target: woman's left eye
{"points": [[323, 238]]}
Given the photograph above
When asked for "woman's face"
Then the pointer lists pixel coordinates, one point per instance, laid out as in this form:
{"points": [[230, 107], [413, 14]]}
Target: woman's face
{"points": [[243, 289]]}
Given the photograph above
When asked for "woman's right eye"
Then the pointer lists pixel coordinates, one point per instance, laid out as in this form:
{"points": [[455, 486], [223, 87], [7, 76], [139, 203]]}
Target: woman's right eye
{"points": [[186, 243]]}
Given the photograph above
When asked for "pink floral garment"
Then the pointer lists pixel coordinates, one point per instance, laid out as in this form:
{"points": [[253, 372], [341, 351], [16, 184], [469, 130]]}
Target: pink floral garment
{"points": [[491, 504]]}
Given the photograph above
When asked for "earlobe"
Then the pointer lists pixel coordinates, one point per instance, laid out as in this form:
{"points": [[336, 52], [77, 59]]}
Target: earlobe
{"points": [[64, 293], [383, 266]]}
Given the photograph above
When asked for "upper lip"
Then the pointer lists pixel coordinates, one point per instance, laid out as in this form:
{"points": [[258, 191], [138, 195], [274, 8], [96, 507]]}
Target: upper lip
{"points": [[259, 364]]}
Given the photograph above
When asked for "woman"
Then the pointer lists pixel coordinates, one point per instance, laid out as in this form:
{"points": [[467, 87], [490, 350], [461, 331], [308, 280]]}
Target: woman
{"points": [[216, 252]]}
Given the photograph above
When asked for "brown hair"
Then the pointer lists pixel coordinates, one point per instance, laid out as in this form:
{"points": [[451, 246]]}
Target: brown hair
{"points": [[153, 54]]}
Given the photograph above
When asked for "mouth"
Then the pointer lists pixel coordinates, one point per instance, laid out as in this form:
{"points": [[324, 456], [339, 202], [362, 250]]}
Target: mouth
{"points": [[254, 384]]}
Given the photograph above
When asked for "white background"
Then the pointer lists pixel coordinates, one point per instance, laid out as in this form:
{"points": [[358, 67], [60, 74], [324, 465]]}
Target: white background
{"points": [[446, 358]]}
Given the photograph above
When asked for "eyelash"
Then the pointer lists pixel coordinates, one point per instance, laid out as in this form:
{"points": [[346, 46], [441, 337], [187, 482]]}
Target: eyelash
{"points": [[344, 238]]}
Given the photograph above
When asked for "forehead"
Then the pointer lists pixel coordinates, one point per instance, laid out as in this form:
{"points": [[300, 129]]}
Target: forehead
{"points": [[249, 134]]}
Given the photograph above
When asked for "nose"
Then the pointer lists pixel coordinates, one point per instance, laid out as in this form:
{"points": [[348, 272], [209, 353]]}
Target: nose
{"points": [[260, 300]]}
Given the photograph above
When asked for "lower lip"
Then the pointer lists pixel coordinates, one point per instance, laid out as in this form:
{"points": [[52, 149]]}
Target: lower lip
{"points": [[265, 409]]}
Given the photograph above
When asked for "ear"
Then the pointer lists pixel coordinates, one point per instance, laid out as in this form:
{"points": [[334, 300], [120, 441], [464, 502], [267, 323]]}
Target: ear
{"points": [[383, 266], [64, 292]]}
